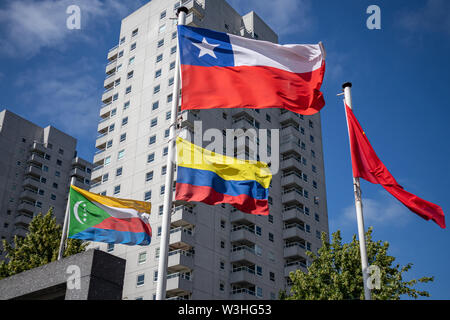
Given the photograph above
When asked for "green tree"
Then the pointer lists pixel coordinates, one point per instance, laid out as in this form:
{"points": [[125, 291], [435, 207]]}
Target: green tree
{"points": [[335, 273], [39, 247]]}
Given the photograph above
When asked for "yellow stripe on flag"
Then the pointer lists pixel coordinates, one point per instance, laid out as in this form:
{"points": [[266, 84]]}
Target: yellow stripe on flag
{"points": [[228, 168], [139, 206]]}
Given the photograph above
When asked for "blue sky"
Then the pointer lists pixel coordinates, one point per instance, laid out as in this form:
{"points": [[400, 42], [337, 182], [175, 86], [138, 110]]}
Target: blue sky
{"points": [[400, 75]]}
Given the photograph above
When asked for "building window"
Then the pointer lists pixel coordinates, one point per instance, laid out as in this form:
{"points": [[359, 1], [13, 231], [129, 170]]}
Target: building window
{"points": [[151, 157], [117, 189], [140, 280], [149, 176], [259, 270], [128, 90], [111, 127], [121, 154], [166, 133], [123, 137], [55, 185], [162, 15], [162, 28], [174, 35], [259, 292], [270, 218], [165, 151], [160, 43], [120, 54], [130, 62], [124, 121], [159, 58], [258, 230], [159, 231], [107, 160], [147, 196], [168, 115], [105, 177], [221, 286], [270, 237], [152, 140], [311, 138], [58, 162], [154, 122], [222, 265], [134, 33], [163, 170], [316, 217], [53, 197], [130, 74], [156, 89], [222, 224], [172, 65], [171, 80], [142, 258], [155, 273], [158, 73], [119, 172], [155, 105], [162, 190], [133, 46], [110, 247], [173, 50], [109, 144], [122, 40], [222, 244], [314, 184], [314, 169], [272, 276], [169, 98]]}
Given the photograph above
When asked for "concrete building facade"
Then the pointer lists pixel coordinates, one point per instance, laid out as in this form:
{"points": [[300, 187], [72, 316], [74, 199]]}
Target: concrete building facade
{"points": [[37, 165], [216, 252]]}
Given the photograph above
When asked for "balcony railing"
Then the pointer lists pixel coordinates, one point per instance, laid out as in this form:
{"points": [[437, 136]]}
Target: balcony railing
{"points": [[181, 275], [243, 268], [294, 225], [113, 48], [243, 290]]}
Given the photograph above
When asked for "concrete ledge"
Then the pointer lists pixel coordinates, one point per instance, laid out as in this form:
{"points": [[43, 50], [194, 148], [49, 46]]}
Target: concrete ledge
{"points": [[101, 278]]}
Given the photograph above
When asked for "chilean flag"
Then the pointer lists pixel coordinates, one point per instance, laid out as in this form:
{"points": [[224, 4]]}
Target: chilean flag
{"points": [[220, 70]]}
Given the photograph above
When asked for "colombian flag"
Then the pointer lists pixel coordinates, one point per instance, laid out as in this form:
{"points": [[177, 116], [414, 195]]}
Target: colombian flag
{"points": [[213, 178], [106, 219]]}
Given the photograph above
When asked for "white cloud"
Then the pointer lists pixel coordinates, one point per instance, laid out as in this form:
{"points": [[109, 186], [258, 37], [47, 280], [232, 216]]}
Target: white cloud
{"points": [[433, 17], [384, 210], [283, 16], [29, 26], [65, 96]]}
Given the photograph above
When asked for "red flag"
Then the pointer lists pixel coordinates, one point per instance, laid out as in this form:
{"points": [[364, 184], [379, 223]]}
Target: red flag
{"points": [[368, 166]]}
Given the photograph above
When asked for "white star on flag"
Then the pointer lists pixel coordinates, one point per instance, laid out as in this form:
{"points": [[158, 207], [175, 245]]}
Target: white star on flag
{"points": [[206, 48]]}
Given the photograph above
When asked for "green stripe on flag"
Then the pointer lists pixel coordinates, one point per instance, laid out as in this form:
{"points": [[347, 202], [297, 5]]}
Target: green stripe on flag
{"points": [[83, 213]]}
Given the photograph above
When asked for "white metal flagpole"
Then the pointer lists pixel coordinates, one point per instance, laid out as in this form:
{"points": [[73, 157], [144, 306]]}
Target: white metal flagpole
{"points": [[168, 195], [359, 208], [66, 223]]}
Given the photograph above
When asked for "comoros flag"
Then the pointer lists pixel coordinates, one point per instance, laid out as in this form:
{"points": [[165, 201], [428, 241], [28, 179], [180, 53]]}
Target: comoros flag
{"points": [[107, 219], [221, 70]]}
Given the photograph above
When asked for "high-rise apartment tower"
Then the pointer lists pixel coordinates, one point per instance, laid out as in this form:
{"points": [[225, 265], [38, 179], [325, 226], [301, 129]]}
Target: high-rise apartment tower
{"points": [[216, 252]]}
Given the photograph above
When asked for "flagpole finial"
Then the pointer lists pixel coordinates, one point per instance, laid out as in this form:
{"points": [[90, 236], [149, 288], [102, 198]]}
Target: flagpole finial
{"points": [[182, 9], [347, 84]]}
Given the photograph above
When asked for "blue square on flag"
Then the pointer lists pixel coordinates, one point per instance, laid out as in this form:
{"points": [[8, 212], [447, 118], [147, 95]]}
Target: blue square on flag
{"points": [[203, 47]]}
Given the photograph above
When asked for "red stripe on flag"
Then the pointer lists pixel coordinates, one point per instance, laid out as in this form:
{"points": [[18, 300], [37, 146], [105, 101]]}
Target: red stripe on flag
{"points": [[208, 195], [253, 87], [128, 224]]}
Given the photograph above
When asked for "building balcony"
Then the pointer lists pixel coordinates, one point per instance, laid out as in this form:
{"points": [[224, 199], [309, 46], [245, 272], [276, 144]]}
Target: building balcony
{"points": [[181, 238], [292, 178], [290, 131], [20, 231], [243, 123], [31, 182], [243, 275], [183, 216], [243, 218], [293, 266], [36, 158], [294, 231], [28, 194], [38, 147], [178, 284], [289, 146], [293, 214], [78, 173], [243, 294], [293, 196], [34, 171], [180, 260], [106, 108], [289, 117], [195, 6], [243, 254], [27, 207], [291, 162], [244, 235], [193, 20], [111, 67], [294, 250], [113, 52], [23, 220]]}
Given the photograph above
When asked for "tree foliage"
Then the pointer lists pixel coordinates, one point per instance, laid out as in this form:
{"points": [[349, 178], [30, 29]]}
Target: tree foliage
{"points": [[39, 247], [335, 273]]}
